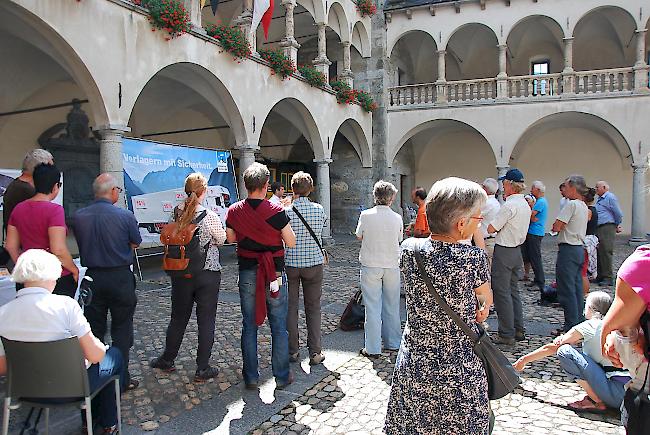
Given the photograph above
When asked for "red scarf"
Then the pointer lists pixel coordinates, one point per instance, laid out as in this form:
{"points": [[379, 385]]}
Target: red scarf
{"points": [[250, 223]]}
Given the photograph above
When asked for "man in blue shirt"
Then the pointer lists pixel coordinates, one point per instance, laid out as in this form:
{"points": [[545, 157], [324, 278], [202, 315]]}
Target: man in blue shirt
{"points": [[106, 236], [610, 217], [532, 247]]}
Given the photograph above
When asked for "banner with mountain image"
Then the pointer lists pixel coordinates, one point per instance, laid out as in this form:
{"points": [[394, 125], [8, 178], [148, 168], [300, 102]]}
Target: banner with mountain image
{"points": [[154, 177]]}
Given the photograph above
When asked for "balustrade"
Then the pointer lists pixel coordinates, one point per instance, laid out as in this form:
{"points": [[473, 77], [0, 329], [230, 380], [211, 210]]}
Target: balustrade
{"points": [[604, 81]]}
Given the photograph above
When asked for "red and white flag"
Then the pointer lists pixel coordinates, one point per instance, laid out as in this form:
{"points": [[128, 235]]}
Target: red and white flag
{"points": [[262, 11]]}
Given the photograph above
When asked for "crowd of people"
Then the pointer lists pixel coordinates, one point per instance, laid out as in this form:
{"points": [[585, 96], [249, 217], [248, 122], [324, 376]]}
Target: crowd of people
{"points": [[475, 243]]}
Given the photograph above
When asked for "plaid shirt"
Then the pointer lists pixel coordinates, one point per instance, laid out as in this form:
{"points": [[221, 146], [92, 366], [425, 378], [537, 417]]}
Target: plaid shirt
{"points": [[306, 253]]}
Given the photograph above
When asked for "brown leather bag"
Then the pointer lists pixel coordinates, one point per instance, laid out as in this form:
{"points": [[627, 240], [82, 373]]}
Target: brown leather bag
{"points": [[183, 255]]}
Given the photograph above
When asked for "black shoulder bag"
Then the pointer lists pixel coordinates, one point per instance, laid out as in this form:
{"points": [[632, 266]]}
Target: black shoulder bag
{"points": [[326, 258], [637, 403], [501, 376]]}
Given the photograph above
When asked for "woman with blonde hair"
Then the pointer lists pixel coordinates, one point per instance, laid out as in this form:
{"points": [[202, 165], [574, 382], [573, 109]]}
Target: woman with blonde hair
{"points": [[202, 288]]}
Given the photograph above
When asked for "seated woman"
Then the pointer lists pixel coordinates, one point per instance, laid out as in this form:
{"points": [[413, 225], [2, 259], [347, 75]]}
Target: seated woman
{"points": [[603, 383], [37, 315]]}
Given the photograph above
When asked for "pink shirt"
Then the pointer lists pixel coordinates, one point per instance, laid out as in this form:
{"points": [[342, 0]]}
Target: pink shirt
{"points": [[635, 271], [32, 219]]}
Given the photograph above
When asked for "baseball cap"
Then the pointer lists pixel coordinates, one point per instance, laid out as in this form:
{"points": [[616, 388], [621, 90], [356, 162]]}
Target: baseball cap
{"points": [[513, 174]]}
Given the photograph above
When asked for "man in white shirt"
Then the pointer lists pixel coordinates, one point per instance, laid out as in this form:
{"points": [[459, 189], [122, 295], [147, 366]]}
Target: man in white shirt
{"points": [[278, 192], [571, 225], [489, 212], [380, 230], [510, 226]]}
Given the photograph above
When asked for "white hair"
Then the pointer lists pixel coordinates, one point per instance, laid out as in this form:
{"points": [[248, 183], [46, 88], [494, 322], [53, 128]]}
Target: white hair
{"points": [[539, 185], [34, 158], [103, 185], [383, 192], [491, 185], [450, 200], [36, 265], [605, 184]]}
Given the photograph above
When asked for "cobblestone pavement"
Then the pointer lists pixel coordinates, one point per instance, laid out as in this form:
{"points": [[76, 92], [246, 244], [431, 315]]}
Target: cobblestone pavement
{"points": [[350, 398]]}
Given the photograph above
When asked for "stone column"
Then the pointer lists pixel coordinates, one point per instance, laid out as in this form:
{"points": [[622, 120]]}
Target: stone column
{"points": [[641, 67], [246, 158], [441, 83], [110, 156], [502, 77], [568, 77], [321, 62], [193, 7], [245, 21], [323, 192], [346, 74], [289, 44], [501, 171], [638, 204]]}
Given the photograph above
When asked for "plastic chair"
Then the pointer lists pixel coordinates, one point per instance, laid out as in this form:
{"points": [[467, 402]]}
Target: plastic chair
{"points": [[50, 370]]}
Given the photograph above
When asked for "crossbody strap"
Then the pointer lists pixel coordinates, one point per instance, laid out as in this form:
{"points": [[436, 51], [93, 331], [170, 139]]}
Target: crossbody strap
{"points": [[295, 210], [441, 301]]}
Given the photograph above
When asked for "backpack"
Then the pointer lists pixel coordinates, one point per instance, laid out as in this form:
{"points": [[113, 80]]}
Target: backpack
{"points": [[184, 256]]}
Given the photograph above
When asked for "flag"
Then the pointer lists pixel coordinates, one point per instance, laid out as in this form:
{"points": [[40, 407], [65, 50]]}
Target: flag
{"points": [[213, 5], [262, 12]]}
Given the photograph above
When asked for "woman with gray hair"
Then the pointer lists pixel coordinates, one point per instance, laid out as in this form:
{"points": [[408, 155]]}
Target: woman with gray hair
{"points": [[380, 230], [603, 383], [439, 383]]}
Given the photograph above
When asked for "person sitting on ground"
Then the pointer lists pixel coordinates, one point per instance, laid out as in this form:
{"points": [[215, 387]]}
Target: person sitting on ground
{"points": [[603, 383], [37, 315]]}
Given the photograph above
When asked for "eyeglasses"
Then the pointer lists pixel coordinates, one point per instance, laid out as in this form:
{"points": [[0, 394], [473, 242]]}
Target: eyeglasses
{"points": [[478, 218], [119, 189], [59, 184]]}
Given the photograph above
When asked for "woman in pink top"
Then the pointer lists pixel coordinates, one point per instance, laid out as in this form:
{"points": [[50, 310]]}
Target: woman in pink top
{"points": [[38, 223]]}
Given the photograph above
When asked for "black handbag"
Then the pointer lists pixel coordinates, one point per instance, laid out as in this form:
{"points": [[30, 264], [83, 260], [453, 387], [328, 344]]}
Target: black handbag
{"points": [[354, 314], [501, 376]]}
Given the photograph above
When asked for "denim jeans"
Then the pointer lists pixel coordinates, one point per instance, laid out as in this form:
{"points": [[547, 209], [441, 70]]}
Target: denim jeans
{"points": [[581, 366], [276, 312], [381, 288], [104, 402], [570, 295]]}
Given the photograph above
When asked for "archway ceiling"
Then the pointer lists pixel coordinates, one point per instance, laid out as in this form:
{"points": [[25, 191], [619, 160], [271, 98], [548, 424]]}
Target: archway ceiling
{"points": [[473, 39], [610, 23], [535, 32], [280, 128], [415, 50], [304, 25]]}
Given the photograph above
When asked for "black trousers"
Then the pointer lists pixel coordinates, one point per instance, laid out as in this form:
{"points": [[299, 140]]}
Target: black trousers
{"points": [[113, 290], [66, 286], [532, 253], [202, 289]]}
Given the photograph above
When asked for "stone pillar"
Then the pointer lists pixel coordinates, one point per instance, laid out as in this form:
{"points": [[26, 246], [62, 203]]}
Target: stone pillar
{"points": [[321, 62], [289, 44], [323, 192], [641, 67], [346, 74], [193, 7], [110, 156], [441, 83], [245, 21], [246, 158], [501, 171], [638, 204], [568, 78], [502, 77]]}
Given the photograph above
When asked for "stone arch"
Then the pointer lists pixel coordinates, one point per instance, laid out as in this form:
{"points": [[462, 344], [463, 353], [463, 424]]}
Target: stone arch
{"points": [[205, 85], [361, 39], [472, 52], [392, 44], [414, 58], [535, 37], [353, 132], [337, 20], [604, 38]]}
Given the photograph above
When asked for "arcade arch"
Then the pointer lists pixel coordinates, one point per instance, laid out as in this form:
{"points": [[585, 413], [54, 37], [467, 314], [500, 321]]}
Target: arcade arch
{"points": [[472, 53], [536, 38], [414, 59]]}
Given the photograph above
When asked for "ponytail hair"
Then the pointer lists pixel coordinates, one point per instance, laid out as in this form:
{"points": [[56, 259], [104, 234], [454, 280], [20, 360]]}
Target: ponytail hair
{"points": [[195, 185]]}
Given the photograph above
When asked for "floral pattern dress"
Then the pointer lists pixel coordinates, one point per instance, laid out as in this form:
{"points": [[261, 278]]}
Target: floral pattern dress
{"points": [[439, 384]]}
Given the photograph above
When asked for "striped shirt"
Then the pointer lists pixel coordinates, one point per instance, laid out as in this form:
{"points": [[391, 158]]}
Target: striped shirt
{"points": [[306, 253]]}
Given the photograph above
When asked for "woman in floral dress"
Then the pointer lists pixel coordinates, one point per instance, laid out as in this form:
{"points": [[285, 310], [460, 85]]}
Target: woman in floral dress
{"points": [[439, 384]]}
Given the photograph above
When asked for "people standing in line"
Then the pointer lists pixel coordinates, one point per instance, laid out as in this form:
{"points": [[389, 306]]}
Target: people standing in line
{"points": [[511, 226], [277, 189], [380, 230], [304, 265], [38, 223], [489, 212], [261, 230], [610, 217], [536, 230], [439, 384], [36, 315], [591, 241], [571, 226], [22, 188], [202, 288], [420, 227], [106, 236]]}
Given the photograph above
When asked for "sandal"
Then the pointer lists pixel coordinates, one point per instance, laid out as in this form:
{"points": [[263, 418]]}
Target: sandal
{"points": [[587, 404], [133, 384]]}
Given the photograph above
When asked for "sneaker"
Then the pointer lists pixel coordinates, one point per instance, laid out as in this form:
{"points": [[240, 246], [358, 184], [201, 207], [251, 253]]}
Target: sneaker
{"points": [[283, 385], [520, 335], [316, 359], [162, 364], [294, 357], [503, 340], [205, 374]]}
